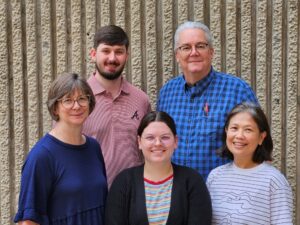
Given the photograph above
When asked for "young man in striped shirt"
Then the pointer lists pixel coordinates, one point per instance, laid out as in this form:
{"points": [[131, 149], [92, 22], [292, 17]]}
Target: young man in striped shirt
{"points": [[119, 105]]}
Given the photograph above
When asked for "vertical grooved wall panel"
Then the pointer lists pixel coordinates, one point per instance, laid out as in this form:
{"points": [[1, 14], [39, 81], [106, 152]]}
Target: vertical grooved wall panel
{"points": [[18, 129], [231, 33], [76, 38], [136, 52], [167, 43], [291, 98], [215, 27], [276, 80], [261, 51], [32, 75], [61, 37], [245, 39], [90, 27], [46, 56], [198, 10], [150, 75], [182, 10], [5, 111], [257, 40]]}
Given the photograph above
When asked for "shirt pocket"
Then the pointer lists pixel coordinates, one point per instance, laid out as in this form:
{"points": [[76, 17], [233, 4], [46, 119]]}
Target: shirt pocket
{"points": [[212, 124]]}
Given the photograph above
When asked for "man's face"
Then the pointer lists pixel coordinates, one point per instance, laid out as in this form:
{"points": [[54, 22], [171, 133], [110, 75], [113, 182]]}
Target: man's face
{"points": [[193, 54], [110, 60]]}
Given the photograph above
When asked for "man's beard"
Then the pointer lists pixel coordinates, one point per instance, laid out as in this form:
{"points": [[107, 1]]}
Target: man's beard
{"points": [[110, 76]]}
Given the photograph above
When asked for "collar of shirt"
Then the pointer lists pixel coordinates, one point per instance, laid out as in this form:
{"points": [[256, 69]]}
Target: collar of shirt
{"points": [[198, 88], [98, 89]]}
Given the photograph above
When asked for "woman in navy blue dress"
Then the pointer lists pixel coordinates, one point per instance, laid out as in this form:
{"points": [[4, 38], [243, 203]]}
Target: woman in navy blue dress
{"points": [[63, 178]]}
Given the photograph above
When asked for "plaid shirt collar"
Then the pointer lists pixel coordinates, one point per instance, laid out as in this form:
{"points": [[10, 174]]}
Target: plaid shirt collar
{"points": [[198, 88]]}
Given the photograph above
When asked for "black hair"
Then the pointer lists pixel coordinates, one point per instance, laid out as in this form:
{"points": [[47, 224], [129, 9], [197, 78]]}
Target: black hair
{"points": [[157, 116], [263, 152]]}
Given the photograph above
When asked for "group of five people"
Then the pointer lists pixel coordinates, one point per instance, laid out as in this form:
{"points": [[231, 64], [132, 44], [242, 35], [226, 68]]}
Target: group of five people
{"points": [[149, 170]]}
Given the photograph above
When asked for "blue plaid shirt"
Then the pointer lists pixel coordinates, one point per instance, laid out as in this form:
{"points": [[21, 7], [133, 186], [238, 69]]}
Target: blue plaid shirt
{"points": [[199, 113]]}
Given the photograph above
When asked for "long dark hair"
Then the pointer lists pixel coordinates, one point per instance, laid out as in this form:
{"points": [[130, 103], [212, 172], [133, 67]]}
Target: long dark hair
{"points": [[263, 152]]}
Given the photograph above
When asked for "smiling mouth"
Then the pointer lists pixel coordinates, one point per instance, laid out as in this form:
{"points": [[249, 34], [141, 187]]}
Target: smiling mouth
{"points": [[112, 68], [113, 64], [160, 151], [77, 115], [238, 144]]}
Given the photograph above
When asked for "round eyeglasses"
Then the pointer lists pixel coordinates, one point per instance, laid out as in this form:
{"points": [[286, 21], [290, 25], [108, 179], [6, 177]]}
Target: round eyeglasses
{"points": [[82, 101], [187, 49], [163, 140]]}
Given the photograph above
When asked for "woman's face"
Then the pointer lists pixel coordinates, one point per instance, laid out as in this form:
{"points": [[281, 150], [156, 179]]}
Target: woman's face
{"points": [[73, 108], [157, 143], [243, 137]]}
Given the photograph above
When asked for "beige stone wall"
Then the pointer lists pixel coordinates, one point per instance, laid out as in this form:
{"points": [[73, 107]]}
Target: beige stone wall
{"points": [[256, 40]]}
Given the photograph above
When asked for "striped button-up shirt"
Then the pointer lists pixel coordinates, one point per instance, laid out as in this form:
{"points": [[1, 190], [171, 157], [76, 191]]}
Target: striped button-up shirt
{"points": [[114, 124]]}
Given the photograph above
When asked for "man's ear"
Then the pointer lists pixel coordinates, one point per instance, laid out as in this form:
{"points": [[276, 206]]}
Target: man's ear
{"points": [[177, 56], [212, 53], [93, 53]]}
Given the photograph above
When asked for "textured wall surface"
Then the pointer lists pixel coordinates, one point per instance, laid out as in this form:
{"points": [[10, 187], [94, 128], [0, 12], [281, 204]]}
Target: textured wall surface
{"points": [[256, 40]]}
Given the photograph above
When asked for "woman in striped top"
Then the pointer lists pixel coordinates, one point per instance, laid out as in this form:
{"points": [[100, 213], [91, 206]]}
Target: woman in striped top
{"points": [[158, 192], [249, 190]]}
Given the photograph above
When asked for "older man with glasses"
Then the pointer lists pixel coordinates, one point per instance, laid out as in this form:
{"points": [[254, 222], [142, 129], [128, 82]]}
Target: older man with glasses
{"points": [[199, 98]]}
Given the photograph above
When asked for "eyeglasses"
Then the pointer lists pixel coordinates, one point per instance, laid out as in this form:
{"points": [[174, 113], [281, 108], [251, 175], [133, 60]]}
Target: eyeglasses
{"points": [[164, 140], [82, 101], [187, 49]]}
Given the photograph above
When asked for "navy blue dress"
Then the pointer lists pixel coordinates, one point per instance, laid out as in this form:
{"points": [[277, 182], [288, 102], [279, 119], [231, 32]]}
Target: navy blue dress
{"points": [[63, 184]]}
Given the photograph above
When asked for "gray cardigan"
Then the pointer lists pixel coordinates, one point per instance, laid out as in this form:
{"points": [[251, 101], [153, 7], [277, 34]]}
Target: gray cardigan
{"points": [[190, 199]]}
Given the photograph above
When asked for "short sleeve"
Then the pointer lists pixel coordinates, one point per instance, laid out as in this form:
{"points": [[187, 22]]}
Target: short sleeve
{"points": [[36, 182], [209, 179], [246, 94], [281, 202]]}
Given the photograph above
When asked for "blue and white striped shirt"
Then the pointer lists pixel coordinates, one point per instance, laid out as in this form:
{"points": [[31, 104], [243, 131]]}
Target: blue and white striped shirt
{"points": [[199, 113], [255, 196]]}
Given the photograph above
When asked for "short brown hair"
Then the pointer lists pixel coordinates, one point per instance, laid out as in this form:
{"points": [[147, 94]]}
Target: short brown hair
{"points": [[65, 84], [111, 35]]}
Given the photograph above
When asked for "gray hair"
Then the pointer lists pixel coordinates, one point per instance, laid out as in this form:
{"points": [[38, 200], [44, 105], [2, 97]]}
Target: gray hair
{"points": [[192, 25]]}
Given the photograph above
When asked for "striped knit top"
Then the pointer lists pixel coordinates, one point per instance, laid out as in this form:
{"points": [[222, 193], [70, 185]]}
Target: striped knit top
{"points": [[259, 195], [158, 200]]}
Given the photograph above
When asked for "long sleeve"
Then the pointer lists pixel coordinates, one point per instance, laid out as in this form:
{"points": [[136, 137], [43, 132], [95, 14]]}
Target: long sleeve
{"points": [[200, 209], [191, 202], [126, 201], [117, 203]]}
